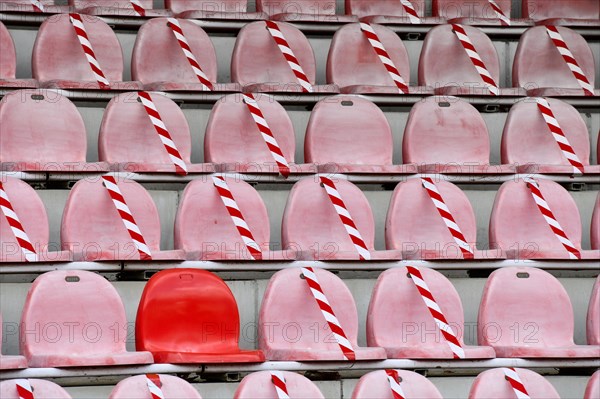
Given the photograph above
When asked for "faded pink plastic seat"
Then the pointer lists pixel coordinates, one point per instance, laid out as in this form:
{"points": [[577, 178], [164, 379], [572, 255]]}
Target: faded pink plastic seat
{"points": [[25, 6], [528, 142], [93, 230], [204, 229], [128, 140], [350, 134], [270, 72], [547, 74], [136, 387], [32, 214], [42, 389], [399, 321], [209, 9], [448, 135], [592, 390], [595, 226], [303, 11], [593, 315], [25, 142], [563, 12], [10, 362], [474, 12], [258, 385], [288, 301], [159, 63], [8, 61], [388, 11], [492, 384], [117, 8], [520, 230], [537, 303], [415, 227], [376, 385], [353, 65], [86, 319]]}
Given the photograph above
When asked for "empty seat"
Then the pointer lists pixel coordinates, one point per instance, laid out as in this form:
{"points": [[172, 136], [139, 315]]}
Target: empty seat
{"points": [[190, 316], [592, 389], [8, 61], [518, 227], [26, 6], [350, 134], [41, 389], [492, 384], [303, 11], [388, 11], [31, 213], [376, 385], [160, 64], [399, 321], [74, 318], [10, 362], [547, 74], [271, 72], [209, 9], [478, 12], [448, 135], [118, 8], [563, 12], [528, 141], [511, 302], [258, 385], [595, 225], [415, 226], [593, 315], [94, 231], [170, 385], [292, 327], [58, 60], [26, 145]]}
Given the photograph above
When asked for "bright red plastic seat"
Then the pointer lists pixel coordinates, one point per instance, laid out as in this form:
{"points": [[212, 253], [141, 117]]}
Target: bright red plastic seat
{"points": [[117, 8], [31, 212], [593, 315], [563, 12], [270, 72], [41, 389], [528, 142], [350, 134], [93, 230], [25, 6], [399, 321], [288, 302], [474, 12], [25, 142], [492, 384], [10, 362], [137, 387], [303, 11], [259, 386], [376, 385], [547, 74], [209, 9], [536, 310], [75, 318], [190, 316], [388, 11], [8, 61], [592, 390], [520, 230], [595, 226]]}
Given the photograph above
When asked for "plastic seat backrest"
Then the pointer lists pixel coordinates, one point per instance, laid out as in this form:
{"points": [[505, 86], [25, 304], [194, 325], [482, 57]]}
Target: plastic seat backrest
{"points": [[8, 55], [376, 385], [469, 8], [146, 4], [314, 7], [258, 385], [593, 315], [595, 225], [41, 388], [366, 8], [179, 6], [492, 384], [544, 9], [137, 387]]}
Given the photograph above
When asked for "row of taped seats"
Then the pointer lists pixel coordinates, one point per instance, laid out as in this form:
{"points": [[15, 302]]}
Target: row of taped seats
{"points": [[353, 66], [345, 134], [490, 384], [190, 316], [206, 229], [477, 12]]}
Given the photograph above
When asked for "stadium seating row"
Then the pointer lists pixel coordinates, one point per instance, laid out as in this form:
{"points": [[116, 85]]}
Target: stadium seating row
{"points": [[362, 58], [148, 133], [382, 384], [190, 316], [477, 12]]}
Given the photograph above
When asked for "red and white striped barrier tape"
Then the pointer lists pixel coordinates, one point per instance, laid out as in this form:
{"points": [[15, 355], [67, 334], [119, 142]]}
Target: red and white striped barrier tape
{"points": [[384, 57], [17, 228], [187, 51], [278, 381], [569, 59], [438, 201], [82, 36], [154, 386], [24, 389], [410, 11], [548, 215], [138, 8], [267, 134], [163, 132], [236, 216], [504, 20], [559, 135], [515, 382], [118, 200], [37, 5], [478, 63], [436, 312], [328, 314], [289, 56], [345, 217], [394, 380]]}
